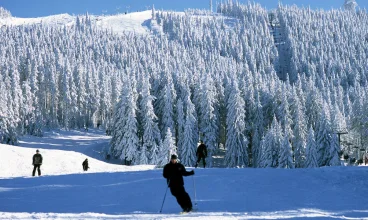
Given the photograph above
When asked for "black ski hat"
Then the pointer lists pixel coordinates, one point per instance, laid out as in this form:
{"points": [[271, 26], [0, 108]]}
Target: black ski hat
{"points": [[174, 157]]}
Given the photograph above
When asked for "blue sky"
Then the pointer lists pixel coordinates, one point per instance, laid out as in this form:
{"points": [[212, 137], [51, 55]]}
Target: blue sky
{"points": [[38, 8]]}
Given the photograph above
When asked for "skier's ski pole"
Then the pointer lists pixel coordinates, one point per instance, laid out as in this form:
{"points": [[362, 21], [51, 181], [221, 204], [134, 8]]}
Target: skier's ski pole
{"points": [[195, 193], [165, 196]]}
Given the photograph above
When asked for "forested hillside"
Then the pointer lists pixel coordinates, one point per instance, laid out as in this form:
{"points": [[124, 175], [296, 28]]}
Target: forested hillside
{"points": [[275, 87]]}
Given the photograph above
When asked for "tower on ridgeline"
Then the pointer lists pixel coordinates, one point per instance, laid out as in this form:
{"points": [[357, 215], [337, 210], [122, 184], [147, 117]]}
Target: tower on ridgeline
{"points": [[153, 12]]}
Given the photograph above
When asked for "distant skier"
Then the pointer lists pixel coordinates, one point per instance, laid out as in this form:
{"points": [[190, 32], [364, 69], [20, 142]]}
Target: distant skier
{"points": [[174, 173], [201, 154], [85, 165], [37, 162]]}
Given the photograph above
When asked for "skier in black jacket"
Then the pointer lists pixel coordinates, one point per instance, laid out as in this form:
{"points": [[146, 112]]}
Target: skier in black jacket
{"points": [[37, 162], [85, 165], [174, 173], [201, 154]]}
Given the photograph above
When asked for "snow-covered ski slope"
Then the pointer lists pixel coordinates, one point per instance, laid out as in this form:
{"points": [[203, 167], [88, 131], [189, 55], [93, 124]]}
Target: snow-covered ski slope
{"points": [[138, 22], [108, 191], [63, 153]]}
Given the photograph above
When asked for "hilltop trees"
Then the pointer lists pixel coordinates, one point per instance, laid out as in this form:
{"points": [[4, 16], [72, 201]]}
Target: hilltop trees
{"points": [[4, 13], [350, 5]]}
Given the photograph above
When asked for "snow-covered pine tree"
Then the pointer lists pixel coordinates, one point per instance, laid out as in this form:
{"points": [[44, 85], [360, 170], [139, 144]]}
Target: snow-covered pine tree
{"points": [[10, 135], [153, 12], [236, 142], [168, 148], [116, 147], [284, 112], [313, 105], [166, 105], [299, 129], [92, 99], [130, 140], [27, 111], [209, 119], [278, 131], [350, 5], [151, 132], [267, 144], [4, 114], [105, 98], [311, 151], [249, 96], [115, 93], [143, 159], [16, 93], [180, 126], [73, 108], [66, 99], [334, 159], [357, 118], [338, 122], [52, 117], [285, 156], [34, 98], [347, 108], [41, 94], [188, 153], [271, 145], [323, 138], [4, 13], [258, 133]]}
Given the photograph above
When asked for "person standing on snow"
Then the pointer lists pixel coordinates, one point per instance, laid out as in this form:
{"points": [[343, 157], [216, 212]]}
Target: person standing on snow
{"points": [[85, 165], [201, 154], [37, 162], [174, 173]]}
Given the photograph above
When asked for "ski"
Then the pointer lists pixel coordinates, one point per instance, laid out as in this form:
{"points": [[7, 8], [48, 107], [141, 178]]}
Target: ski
{"points": [[184, 213]]}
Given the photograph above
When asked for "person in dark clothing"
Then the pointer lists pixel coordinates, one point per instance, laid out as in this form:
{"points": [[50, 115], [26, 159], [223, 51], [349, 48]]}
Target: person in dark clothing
{"points": [[201, 154], [37, 162], [85, 165], [174, 173]]}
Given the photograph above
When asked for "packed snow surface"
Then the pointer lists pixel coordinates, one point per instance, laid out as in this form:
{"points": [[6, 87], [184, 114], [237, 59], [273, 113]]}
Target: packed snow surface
{"points": [[113, 191]]}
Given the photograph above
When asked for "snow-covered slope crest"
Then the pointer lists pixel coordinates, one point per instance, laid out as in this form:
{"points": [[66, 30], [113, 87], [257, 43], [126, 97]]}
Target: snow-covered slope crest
{"points": [[56, 20], [138, 22]]}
